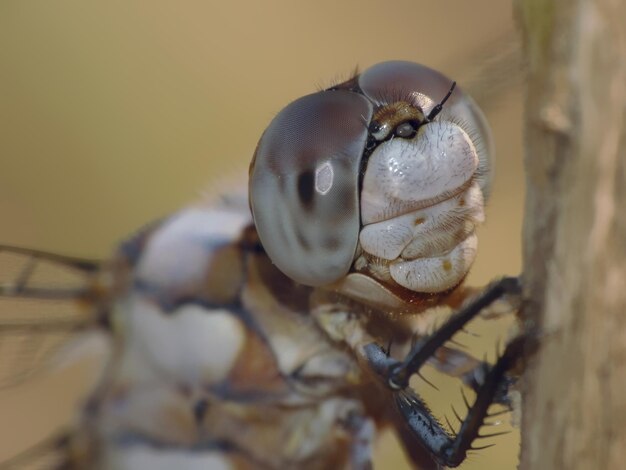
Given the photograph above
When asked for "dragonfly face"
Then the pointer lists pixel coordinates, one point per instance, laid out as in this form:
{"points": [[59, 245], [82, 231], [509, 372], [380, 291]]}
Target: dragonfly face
{"points": [[374, 182], [245, 343]]}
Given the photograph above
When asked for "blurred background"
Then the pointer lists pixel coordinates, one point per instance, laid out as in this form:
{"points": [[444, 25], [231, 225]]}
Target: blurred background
{"points": [[115, 113]]}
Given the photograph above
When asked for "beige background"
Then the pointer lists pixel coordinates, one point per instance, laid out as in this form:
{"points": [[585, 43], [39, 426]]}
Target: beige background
{"points": [[115, 113]]}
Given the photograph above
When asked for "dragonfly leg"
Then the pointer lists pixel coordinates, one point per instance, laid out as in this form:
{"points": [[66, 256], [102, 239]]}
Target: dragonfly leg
{"points": [[471, 371], [425, 348], [450, 449], [416, 422]]}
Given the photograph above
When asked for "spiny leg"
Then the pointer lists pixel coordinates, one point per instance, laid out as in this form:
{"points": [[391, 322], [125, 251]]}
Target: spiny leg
{"points": [[450, 450], [425, 348], [471, 371]]}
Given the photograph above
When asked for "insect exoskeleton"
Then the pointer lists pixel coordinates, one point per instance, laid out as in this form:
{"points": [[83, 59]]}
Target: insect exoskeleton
{"points": [[377, 183]]}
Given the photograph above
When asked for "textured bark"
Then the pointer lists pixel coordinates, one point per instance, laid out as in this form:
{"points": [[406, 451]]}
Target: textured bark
{"points": [[574, 410]]}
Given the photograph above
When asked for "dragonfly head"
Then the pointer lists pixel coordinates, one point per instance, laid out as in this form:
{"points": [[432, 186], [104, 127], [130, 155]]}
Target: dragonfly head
{"points": [[384, 175]]}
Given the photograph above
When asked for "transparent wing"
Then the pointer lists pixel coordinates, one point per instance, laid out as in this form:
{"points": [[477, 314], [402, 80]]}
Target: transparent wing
{"points": [[492, 70], [45, 299], [48, 454]]}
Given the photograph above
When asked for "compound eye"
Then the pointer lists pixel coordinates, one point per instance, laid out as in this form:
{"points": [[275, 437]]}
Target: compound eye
{"points": [[398, 80], [304, 185]]}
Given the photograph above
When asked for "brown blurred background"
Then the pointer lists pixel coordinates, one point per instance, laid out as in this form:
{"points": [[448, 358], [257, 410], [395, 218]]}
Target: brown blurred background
{"points": [[115, 113]]}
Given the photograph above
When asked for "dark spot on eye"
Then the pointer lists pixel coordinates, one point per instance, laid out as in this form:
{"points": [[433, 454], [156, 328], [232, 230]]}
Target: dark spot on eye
{"points": [[346, 202], [462, 202], [303, 241], [332, 243], [306, 180], [419, 221], [446, 265]]}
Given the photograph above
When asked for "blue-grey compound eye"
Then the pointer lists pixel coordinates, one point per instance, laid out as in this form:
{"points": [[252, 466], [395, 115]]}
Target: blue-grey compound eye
{"points": [[304, 182]]}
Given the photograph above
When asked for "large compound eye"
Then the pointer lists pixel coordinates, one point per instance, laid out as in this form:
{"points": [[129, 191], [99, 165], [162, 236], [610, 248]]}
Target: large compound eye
{"points": [[392, 81], [304, 183], [398, 80]]}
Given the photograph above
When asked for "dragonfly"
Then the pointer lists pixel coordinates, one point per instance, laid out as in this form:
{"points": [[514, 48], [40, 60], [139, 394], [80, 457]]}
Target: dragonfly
{"points": [[275, 328]]}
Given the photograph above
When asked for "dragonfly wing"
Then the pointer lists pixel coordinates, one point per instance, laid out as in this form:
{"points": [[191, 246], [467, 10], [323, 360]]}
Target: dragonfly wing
{"points": [[50, 453], [491, 71], [45, 299]]}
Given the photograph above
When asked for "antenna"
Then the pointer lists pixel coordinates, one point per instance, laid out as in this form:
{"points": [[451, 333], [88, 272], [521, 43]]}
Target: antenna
{"points": [[437, 109]]}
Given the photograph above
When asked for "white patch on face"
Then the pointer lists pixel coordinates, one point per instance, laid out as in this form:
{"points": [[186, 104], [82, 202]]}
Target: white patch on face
{"points": [[438, 273], [405, 175], [428, 232], [364, 288]]}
